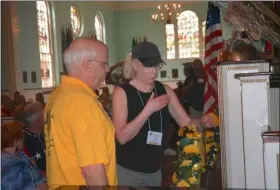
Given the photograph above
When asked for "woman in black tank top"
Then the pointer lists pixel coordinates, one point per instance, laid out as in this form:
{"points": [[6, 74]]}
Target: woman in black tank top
{"points": [[141, 110]]}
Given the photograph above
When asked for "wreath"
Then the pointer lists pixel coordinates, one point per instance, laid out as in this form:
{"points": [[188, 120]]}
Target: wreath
{"points": [[197, 152]]}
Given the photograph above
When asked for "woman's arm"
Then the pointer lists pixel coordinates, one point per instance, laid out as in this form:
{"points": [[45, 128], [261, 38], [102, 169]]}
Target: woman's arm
{"points": [[177, 111], [127, 131]]}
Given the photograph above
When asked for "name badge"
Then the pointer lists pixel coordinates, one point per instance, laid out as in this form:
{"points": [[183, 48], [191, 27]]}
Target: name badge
{"points": [[154, 138]]}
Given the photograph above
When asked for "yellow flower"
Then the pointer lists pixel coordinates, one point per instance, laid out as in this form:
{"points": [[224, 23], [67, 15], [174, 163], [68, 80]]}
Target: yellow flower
{"points": [[186, 163], [197, 167], [189, 135], [192, 127], [215, 119], [191, 149], [195, 136], [181, 132], [174, 178], [209, 134], [193, 180], [183, 183]]}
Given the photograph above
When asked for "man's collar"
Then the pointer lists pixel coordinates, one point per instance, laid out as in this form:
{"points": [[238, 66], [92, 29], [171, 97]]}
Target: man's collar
{"points": [[73, 80]]}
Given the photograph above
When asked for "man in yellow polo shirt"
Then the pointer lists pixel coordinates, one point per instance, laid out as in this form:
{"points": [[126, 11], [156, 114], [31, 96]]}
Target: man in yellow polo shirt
{"points": [[79, 135]]}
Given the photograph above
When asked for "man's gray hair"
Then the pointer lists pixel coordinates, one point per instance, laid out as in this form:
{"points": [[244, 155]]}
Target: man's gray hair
{"points": [[74, 57], [32, 112]]}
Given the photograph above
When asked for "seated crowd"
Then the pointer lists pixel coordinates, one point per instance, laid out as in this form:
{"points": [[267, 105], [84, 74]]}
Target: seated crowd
{"points": [[23, 147]]}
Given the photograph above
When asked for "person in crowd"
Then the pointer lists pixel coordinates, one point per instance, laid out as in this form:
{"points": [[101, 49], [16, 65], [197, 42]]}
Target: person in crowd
{"points": [[17, 170], [33, 120], [7, 108], [192, 94], [79, 135], [19, 109], [16, 99], [141, 114], [40, 98]]}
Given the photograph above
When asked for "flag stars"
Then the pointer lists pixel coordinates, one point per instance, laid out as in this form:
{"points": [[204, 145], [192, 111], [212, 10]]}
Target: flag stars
{"points": [[37, 156]]}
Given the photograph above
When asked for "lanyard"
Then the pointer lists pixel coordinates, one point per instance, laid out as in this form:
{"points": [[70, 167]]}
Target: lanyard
{"points": [[159, 111]]}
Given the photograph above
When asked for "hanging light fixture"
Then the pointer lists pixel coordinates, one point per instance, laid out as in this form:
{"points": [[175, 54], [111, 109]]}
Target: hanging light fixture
{"points": [[166, 13]]}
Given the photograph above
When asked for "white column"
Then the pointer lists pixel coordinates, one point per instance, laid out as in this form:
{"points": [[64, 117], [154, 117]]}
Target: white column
{"points": [[232, 144], [255, 95]]}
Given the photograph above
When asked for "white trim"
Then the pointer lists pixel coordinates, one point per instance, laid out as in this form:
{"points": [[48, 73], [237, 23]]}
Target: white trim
{"points": [[54, 40]]}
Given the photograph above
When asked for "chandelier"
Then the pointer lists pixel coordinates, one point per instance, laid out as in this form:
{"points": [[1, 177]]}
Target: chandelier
{"points": [[166, 13]]}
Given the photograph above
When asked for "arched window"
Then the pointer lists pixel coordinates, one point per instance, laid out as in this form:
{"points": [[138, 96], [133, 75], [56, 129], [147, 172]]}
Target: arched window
{"points": [[45, 48], [188, 35], [99, 28], [170, 41], [75, 20]]}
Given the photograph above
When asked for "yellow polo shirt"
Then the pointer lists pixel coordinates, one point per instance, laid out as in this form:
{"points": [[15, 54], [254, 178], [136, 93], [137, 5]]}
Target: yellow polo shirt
{"points": [[78, 133]]}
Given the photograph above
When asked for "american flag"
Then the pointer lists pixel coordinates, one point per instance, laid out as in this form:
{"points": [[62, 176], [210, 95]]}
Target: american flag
{"points": [[213, 45]]}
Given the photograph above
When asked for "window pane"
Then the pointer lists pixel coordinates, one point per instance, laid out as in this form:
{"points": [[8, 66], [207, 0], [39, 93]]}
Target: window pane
{"points": [[43, 21], [188, 35], [170, 41], [98, 28], [75, 20]]}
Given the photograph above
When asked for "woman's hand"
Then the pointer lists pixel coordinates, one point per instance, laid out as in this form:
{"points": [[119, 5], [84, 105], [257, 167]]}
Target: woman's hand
{"points": [[207, 121], [156, 104]]}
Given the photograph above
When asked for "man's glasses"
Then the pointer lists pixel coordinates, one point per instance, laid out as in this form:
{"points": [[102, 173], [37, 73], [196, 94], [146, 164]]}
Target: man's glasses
{"points": [[104, 63]]}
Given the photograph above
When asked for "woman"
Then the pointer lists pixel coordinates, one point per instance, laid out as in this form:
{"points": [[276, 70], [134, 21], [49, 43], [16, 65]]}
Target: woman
{"points": [[141, 111], [18, 172]]}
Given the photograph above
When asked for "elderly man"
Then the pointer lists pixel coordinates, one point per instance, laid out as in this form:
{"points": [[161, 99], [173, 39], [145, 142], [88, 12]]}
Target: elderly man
{"points": [[34, 133], [80, 137]]}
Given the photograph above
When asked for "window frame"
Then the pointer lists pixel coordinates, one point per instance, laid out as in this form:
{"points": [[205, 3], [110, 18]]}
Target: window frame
{"points": [[52, 70]]}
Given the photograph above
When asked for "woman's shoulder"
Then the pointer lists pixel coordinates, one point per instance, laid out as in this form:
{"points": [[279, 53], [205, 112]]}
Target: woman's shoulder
{"points": [[160, 86], [7, 160], [125, 88], [158, 83]]}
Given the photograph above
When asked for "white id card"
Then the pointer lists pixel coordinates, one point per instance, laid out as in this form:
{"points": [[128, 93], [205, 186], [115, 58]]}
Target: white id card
{"points": [[154, 138]]}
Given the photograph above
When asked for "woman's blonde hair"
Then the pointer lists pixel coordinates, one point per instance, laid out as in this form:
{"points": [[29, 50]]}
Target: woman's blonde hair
{"points": [[128, 70]]}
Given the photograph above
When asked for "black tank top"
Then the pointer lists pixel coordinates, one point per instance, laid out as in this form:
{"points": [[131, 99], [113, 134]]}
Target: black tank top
{"points": [[136, 154]]}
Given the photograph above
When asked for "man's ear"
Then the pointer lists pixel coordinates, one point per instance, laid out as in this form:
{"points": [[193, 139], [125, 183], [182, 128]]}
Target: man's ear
{"points": [[87, 67]]}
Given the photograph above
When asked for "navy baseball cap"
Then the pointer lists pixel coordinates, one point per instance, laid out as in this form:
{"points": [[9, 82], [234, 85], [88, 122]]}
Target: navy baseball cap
{"points": [[148, 53]]}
